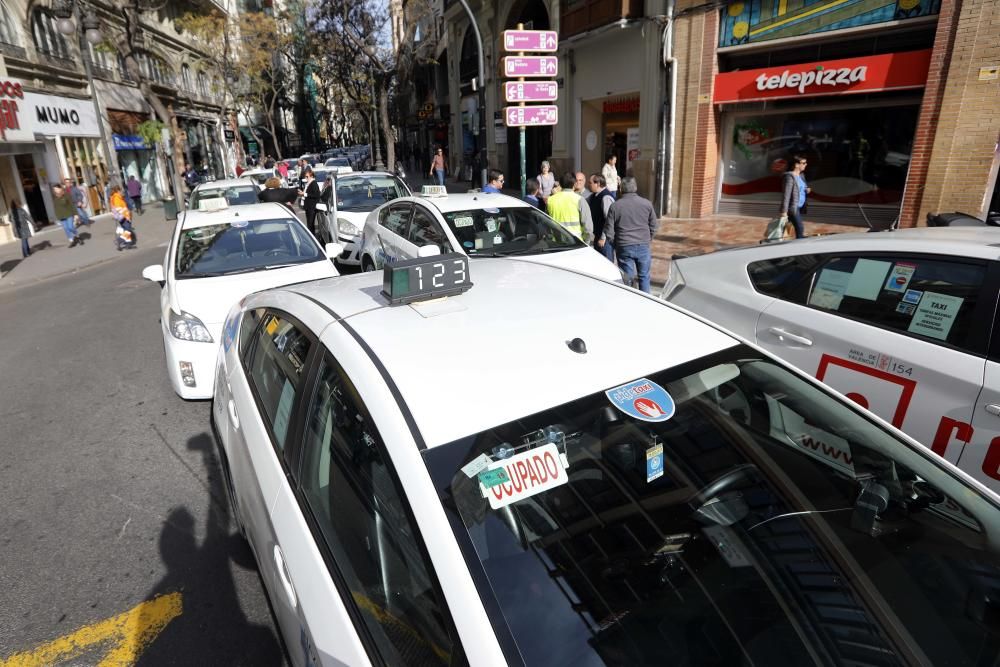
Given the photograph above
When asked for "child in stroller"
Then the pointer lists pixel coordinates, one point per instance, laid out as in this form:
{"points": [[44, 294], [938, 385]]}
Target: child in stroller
{"points": [[124, 233]]}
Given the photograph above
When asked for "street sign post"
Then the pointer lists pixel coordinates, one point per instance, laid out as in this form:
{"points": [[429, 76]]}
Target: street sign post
{"points": [[536, 116], [530, 91], [522, 66], [541, 41], [530, 66]]}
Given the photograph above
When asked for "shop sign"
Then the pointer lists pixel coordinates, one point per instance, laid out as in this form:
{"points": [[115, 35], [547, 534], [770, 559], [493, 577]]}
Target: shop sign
{"points": [[891, 71], [229, 135], [51, 115], [128, 142], [11, 112], [627, 105]]}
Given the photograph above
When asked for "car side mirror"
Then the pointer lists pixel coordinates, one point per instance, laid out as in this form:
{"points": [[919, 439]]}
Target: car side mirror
{"points": [[154, 272], [428, 251], [333, 250]]}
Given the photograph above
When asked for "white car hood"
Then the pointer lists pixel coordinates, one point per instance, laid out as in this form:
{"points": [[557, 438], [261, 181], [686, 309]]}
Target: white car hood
{"points": [[357, 218], [584, 260], [209, 299]]}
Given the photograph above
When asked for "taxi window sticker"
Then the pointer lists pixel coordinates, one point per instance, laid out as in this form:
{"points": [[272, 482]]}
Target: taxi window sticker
{"points": [[829, 290], [284, 411], [654, 463], [867, 279], [463, 221], [491, 224], [935, 315], [642, 399], [912, 296], [900, 277], [523, 475]]}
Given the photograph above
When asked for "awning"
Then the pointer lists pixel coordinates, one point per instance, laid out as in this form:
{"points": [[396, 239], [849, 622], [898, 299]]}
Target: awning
{"points": [[19, 147]]}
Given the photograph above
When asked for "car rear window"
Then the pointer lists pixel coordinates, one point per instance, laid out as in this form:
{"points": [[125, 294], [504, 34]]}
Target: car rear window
{"points": [[780, 276], [236, 194]]}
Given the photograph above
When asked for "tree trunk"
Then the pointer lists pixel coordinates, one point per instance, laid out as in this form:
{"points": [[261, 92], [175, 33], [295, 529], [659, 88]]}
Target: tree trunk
{"points": [[390, 144]]}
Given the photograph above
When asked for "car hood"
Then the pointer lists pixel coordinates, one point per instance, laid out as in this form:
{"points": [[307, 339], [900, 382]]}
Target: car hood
{"points": [[357, 218], [209, 299], [584, 260]]}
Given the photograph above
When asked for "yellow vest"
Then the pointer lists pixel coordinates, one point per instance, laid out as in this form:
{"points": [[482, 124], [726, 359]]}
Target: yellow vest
{"points": [[564, 208]]}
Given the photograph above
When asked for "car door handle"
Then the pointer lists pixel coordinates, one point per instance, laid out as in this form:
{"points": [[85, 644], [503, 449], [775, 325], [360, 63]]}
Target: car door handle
{"points": [[286, 582], [782, 335], [235, 418], [993, 409]]}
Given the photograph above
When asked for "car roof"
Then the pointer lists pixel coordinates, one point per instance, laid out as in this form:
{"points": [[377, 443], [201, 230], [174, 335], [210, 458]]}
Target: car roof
{"points": [[499, 351], [982, 242], [356, 173], [464, 201], [223, 183], [249, 212]]}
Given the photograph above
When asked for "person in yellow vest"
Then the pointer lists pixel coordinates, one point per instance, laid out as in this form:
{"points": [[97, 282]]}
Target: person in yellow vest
{"points": [[571, 210]]}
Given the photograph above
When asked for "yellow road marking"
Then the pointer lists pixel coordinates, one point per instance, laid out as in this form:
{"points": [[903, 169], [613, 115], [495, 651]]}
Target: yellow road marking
{"points": [[796, 17], [782, 7], [126, 635]]}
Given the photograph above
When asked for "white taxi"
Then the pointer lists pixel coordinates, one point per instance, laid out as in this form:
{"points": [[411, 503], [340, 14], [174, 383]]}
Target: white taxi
{"points": [[235, 191], [456, 462], [478, 224], [214, 258], [902, 322], [259, 176], [358, 193]]}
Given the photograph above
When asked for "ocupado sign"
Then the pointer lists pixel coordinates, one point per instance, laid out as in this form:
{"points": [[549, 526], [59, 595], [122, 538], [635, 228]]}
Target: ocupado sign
{"points": [[530, 473]]}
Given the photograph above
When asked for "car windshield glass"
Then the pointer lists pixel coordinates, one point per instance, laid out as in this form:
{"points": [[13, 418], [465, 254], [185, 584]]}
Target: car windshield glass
{"points": [[241, 246], [728, 513], [320, 175], [338, 162], [366, 193], [516, 230], [235, 194], [261, 177]]}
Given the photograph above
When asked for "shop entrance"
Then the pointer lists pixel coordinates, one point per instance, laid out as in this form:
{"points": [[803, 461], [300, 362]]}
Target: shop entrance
{"points": [[32, 190]]}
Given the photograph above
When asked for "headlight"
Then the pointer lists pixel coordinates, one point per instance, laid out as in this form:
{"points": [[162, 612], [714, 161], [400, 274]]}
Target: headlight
{"points": [[188, 327], [348, 228], [674, 284]]}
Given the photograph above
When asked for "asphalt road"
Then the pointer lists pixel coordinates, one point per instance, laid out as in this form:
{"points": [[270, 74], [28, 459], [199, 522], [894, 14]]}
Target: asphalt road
{"points": [[111, 489]]}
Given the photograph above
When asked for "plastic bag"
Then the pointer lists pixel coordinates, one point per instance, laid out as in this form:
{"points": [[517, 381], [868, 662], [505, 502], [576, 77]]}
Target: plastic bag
{"points": [[778, 229]]}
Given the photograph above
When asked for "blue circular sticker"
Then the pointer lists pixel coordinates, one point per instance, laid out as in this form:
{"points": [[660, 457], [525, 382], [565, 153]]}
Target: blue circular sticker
{"points": [[642, 399]]}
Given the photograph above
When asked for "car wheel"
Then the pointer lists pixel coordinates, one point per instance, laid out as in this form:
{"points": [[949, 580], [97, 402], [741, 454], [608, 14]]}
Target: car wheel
{"points": [[367, 264]]}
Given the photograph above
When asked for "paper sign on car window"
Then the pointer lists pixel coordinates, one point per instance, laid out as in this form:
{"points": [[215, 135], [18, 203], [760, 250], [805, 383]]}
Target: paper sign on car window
{"points": [[530, 472], [829, 289], [867, 279], [935, 315]]}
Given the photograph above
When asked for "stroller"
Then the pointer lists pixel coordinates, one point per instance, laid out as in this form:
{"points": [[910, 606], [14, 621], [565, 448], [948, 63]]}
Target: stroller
{"points": [[124, 234]]}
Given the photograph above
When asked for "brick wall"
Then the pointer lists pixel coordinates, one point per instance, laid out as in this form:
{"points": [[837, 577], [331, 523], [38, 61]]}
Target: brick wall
{"points": [[706, 164], [959, 124]]}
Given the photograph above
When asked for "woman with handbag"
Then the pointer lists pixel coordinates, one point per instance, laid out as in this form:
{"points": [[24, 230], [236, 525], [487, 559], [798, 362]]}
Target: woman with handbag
{"points": [[793, 195]]}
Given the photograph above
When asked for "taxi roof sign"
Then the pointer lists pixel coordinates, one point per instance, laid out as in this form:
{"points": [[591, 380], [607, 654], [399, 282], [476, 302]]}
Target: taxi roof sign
{"points": [[424, 278], [433, 191], [213, 204]]}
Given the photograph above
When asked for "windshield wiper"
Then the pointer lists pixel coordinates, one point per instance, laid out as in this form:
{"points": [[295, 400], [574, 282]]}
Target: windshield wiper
{"points": [[535, 250]]}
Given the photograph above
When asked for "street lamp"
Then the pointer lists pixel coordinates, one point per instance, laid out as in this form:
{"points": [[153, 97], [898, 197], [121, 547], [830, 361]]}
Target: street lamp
{"points": [[379, 165], [67, 13]]}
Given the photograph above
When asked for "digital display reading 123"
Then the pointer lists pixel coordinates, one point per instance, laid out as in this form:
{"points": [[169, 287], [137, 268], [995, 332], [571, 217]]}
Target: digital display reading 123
{"points": [[426, 278]]}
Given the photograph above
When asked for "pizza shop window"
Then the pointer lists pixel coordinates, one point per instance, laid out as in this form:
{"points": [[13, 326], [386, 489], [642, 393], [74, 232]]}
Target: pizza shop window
{"points": [[933, 299]]}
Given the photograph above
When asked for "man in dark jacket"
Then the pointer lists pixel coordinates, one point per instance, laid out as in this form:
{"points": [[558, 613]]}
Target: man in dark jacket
{"points": [[19, 220], [600, 202], [311, 195], [273, 192], [630, 227]]}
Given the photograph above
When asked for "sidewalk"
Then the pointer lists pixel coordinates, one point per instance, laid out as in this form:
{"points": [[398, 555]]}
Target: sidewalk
{"points": [[51, 256]]}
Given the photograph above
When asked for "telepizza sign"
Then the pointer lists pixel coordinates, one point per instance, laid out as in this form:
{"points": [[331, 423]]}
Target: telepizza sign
{"points": [[11, 94], [890, 71]]}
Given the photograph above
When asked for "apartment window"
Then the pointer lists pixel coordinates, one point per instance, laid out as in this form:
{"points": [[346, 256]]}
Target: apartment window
{"points": [[47, 38], [202, 84], [186, 82]]}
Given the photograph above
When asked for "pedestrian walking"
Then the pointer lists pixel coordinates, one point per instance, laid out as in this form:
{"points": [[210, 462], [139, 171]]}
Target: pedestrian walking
{"points": [[125, 237], [282, 169], [600, 202], [22, 226], [134, 188], [610, 173], [65, 213], [570, 210], [630, 227], [793, 194], [531, 190], [546, 181], [311, 195], [495, 181], [79, 197], [439, 166]]}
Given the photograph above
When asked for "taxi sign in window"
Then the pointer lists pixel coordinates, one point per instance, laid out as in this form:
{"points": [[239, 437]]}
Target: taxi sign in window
{"points": [[530, 473], [425, 278]]}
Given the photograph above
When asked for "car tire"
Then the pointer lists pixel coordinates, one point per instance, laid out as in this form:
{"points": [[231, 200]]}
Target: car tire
{"points": [[367, 264]]}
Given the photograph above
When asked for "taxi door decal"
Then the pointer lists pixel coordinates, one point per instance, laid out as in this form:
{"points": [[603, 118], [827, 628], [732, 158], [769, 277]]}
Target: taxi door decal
{"points": [[881, 392]]}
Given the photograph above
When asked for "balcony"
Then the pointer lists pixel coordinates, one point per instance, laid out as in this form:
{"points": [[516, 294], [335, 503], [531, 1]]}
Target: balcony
{"points": [[583, 15], [13, 51]]}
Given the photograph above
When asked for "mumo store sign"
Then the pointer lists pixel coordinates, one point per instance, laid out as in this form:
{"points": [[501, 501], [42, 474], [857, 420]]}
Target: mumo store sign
{"points": [[51, 115], [890, 71]]}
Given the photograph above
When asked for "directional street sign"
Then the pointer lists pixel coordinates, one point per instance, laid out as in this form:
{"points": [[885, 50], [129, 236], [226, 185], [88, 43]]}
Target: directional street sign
{"points": [[545, 41], [547, 114], [530, 91], [530, 66]]}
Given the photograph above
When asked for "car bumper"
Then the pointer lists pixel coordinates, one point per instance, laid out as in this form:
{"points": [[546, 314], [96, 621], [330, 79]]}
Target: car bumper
{"points": [[201, 357], [351, 255]]}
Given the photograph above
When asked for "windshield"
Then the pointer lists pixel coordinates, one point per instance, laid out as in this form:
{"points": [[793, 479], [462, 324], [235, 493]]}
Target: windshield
{"points": [[234, 194], [261, 177], [338, 162], [242, 246], [320, 175], [366, 193], [761, 523], [503, 231]]}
